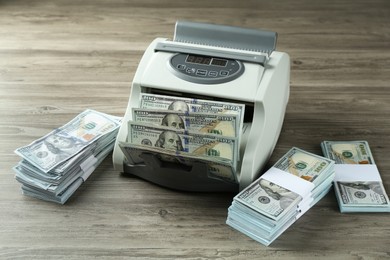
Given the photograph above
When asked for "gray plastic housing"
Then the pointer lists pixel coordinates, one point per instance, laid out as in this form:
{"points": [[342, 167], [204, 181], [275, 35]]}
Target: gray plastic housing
{"points": [[175, 176], [225, 36]]}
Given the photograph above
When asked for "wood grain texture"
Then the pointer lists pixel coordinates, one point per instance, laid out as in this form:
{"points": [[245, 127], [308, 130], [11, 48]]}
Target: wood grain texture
{"points": [[58, 58]]}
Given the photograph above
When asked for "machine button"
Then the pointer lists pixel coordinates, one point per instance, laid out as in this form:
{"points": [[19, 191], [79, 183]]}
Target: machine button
{"points": [[201, 72], [181, 66], [213, 73], [190, 70], [224, 72]]}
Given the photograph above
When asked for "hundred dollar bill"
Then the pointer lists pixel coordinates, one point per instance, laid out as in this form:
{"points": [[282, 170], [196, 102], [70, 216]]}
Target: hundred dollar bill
{"points": [[222, 124], [362, 194], [57, 195], [268, 199], [60, 198], [65, 142], [215, 169], [306, 165], [211, 146], [348, 152], [153, 101], [356, 196], [27, 174]]}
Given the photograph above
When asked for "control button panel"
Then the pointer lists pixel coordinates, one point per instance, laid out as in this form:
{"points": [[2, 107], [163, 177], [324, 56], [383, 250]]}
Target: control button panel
{"points": [[205, 69]]}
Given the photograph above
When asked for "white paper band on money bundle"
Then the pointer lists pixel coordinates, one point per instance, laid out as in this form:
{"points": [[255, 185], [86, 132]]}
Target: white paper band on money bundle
{"points": [[289, 181], [87, 173], [356, 172], [88, 167], [87, 163]]}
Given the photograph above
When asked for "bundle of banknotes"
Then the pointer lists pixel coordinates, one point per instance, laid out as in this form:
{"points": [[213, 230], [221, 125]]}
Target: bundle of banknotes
{"points": [[358, 184], [272, 203], [186, 131], [54, 166]]}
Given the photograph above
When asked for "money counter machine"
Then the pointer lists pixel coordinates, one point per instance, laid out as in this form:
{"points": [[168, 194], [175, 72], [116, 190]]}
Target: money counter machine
{"points": [[219, 63]]}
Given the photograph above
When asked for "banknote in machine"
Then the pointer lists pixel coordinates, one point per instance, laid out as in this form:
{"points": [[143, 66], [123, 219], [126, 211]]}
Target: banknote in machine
{"points": [[222, 124], [154, 101], [204, 145]]}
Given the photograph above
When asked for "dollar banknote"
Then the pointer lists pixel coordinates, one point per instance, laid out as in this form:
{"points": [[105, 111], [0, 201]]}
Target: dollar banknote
{"points": [[272, 203], [362, 193], [215, 169], [154, 101], [65, 142], [53, 183], [268, 199], [62, 193], [60, 198], [356, 196], [212, 146], [221, 124], [348, 152], [308, 166]]}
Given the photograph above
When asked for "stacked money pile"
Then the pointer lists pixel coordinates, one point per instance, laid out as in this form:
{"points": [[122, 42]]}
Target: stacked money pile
{"points": [[54, 166], [184, 131], [358, 184], [267, 207]]}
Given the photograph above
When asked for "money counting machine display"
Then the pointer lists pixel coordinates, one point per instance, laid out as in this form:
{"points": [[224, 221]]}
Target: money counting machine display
{"points": [[216, 71]]}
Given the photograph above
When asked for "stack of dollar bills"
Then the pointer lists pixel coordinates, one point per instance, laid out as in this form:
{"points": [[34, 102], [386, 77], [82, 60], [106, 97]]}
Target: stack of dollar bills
{"points": [[54, 166], [185, 131], [272, 203], [358, 184]]}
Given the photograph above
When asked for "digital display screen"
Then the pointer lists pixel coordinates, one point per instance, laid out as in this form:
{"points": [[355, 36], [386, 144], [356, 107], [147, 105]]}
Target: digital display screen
{"points": [[205, 60], [219, 62], [198, 59]]}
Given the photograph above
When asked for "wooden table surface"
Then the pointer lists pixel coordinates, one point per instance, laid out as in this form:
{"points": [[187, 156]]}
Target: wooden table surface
{"points": [[58, 58]]}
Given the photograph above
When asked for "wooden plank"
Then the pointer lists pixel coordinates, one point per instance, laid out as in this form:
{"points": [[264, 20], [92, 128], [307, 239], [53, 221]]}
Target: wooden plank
{"points": [[60, 57]]}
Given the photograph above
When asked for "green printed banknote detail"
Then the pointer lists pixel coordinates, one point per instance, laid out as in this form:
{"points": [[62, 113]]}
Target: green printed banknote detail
{"points": [[65, 142], [207, 123], [152, 101], [214, 147], [268, 199], [349, 152], [306, 165], [356, 196]]}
